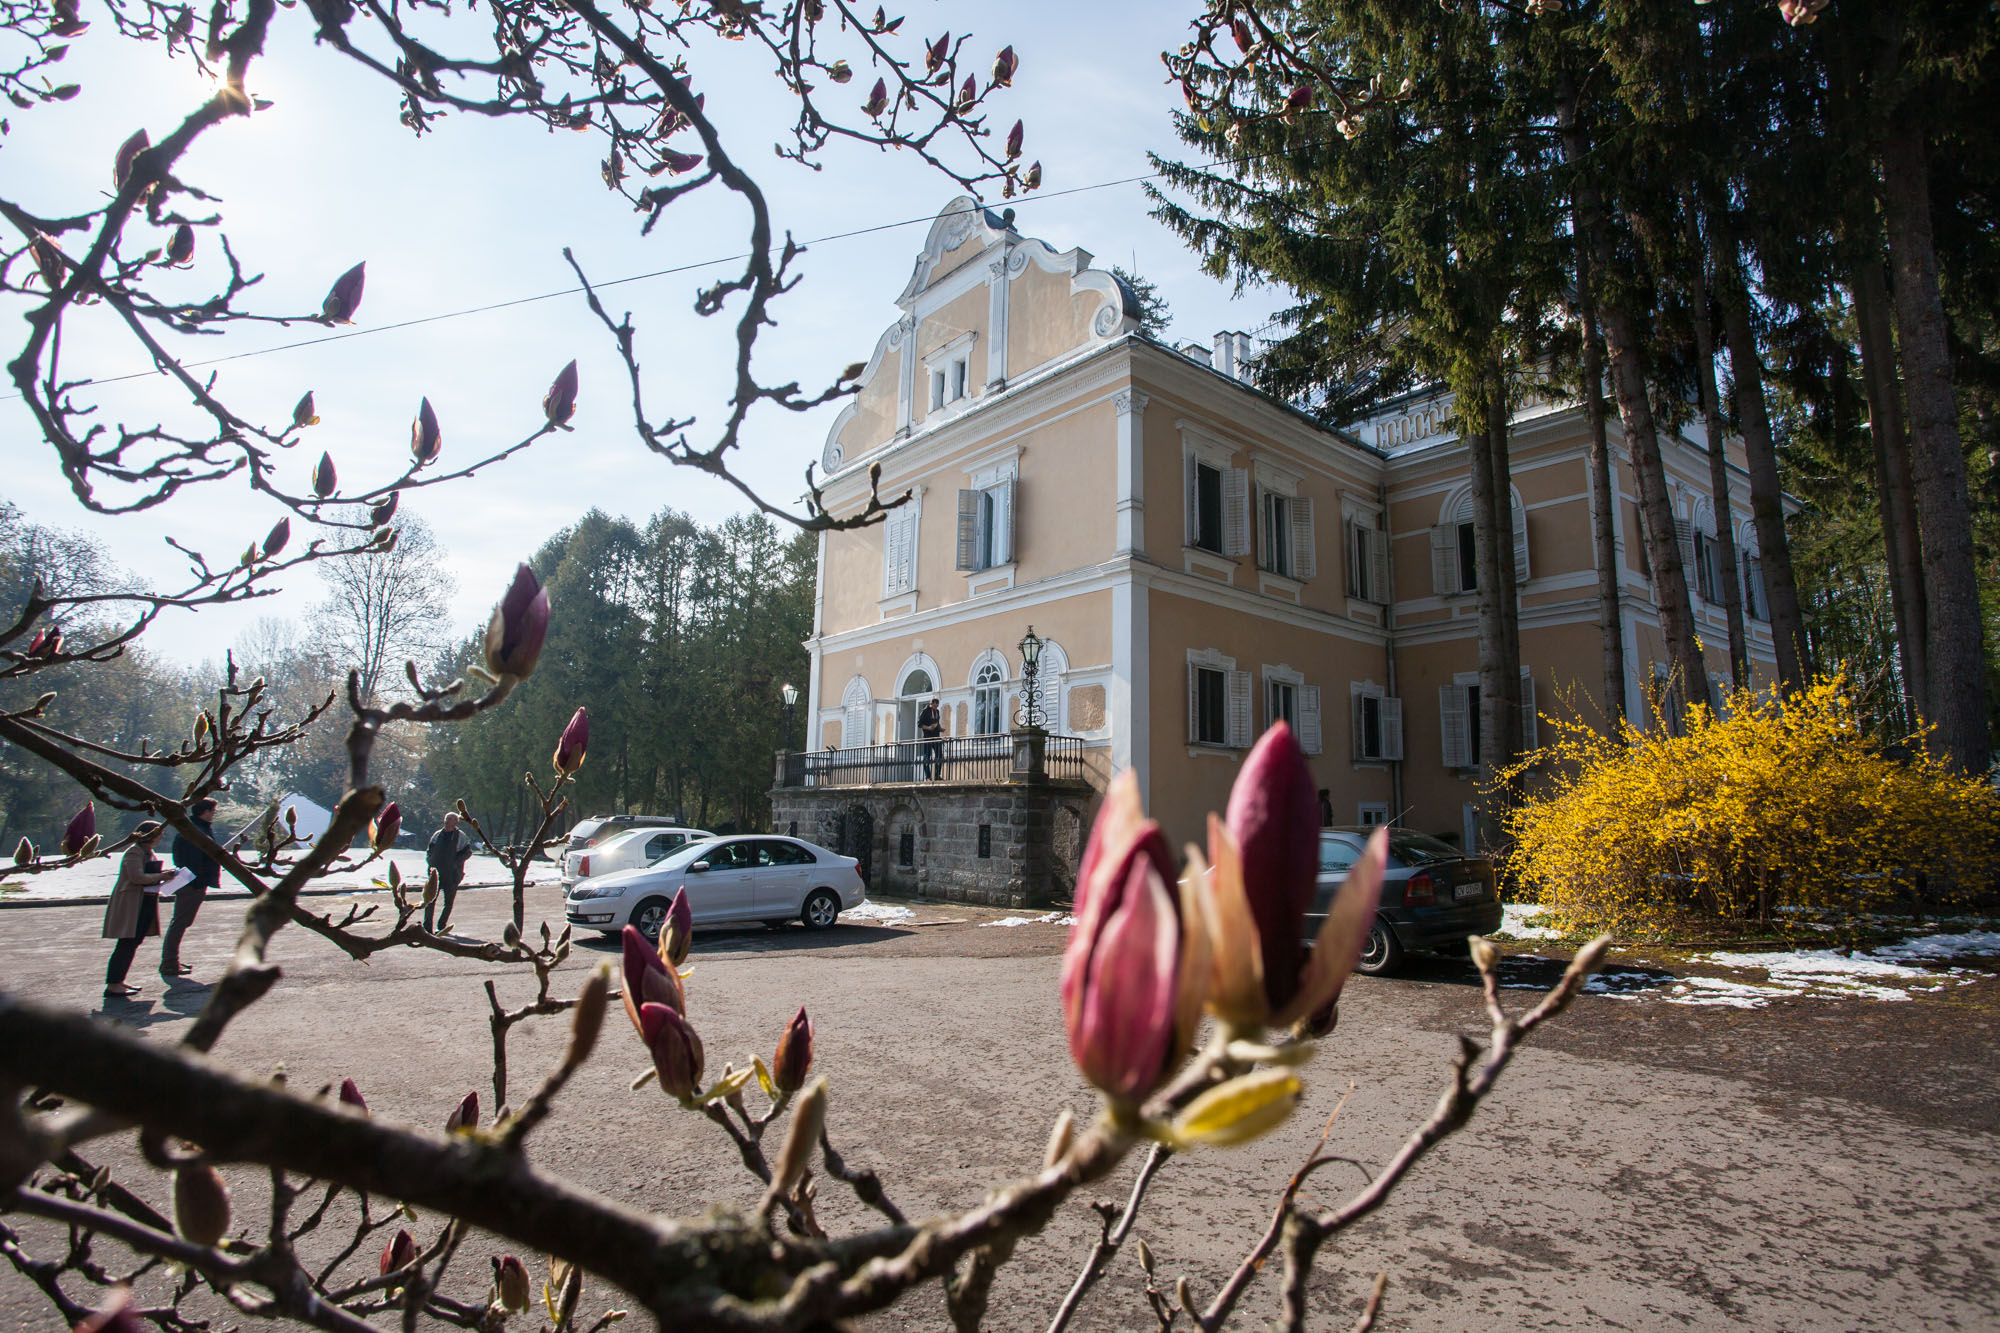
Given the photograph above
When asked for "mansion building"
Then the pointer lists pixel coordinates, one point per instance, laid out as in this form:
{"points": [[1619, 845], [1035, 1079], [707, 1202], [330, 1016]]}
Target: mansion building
{"points": [[1197, 560]]}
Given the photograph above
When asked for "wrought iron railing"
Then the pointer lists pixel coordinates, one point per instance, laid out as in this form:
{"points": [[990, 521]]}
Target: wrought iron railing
{"points": [[969, 759]]}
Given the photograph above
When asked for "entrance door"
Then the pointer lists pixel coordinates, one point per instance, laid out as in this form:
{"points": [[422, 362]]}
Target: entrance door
{"points": [[917, 688]]}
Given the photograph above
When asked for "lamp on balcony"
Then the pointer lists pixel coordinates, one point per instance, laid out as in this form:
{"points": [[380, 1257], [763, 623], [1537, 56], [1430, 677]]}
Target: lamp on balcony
{"points": [[790, 693], [1031, 696]]}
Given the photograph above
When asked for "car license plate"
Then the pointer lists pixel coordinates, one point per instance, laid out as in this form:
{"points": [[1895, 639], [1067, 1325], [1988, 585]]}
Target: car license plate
{"points": [[1464, 891]]}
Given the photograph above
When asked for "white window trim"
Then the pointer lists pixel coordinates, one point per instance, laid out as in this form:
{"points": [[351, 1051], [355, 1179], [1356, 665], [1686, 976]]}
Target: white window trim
{"points": [[894, 594], [1367, 808], [940, 359], [1369, 689], [1235, 737], [1271, 477], [1280, 675], [1202, 446]]}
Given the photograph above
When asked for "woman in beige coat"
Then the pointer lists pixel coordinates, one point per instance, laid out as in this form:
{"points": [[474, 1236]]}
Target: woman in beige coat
{"points": [[134, 910]]}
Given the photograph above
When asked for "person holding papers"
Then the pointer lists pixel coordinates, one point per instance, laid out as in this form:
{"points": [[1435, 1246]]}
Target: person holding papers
{"points": [[134, 910], [207, 874]]}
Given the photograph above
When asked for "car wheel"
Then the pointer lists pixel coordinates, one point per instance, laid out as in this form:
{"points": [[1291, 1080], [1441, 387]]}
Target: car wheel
{"points": [[649, 917], [1383, 953], [821, 909]]}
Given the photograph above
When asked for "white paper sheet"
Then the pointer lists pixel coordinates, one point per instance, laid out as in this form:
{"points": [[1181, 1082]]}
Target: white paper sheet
{"points": [[180, 880]]}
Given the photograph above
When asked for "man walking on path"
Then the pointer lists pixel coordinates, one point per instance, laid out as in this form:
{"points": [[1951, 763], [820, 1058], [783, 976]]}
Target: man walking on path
{"points": [[446, 855], [207, 872]]}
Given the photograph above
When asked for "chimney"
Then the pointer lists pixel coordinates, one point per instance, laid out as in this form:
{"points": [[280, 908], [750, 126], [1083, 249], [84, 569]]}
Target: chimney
{"points": [[1243, 355], [1197, 352], [1225, 354]]}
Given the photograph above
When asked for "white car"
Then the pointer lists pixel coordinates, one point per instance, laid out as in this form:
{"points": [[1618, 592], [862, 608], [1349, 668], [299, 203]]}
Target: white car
{"points": [[628, 850], [754, 877]]}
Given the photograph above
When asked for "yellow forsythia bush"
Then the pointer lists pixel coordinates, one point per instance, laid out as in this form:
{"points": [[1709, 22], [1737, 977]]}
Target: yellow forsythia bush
{"points": [[1769, 816]]}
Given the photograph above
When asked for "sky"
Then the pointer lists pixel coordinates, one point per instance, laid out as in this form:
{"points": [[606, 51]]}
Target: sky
{"points": [[477, 212]]}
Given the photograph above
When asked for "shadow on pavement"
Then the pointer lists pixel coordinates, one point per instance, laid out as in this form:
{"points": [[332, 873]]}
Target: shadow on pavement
{"points": [[1527, 971], [172, 1003], [760, 939]]}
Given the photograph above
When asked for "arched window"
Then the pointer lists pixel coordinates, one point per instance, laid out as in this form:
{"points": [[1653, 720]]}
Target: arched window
{"points": [[917, 687], [857, 715], [989, 716], [1455, 553]]}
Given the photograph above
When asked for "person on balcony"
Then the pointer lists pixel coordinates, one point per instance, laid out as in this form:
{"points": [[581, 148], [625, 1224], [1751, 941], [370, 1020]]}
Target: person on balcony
{"points": [[930, 726]]}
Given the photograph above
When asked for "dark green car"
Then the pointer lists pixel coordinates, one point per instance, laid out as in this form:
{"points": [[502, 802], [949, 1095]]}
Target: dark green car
{"points": [[1433, 895]]}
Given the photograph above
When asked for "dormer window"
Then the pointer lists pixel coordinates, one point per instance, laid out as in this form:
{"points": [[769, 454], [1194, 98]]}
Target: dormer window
{"points": [[948, 370]]}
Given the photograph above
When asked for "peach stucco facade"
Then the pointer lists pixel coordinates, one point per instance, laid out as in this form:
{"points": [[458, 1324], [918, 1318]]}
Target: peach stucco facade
{"points": [[1199, 558]]}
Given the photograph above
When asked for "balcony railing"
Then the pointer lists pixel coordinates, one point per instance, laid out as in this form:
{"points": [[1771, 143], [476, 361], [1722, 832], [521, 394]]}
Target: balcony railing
{"points": [[962, 759]]}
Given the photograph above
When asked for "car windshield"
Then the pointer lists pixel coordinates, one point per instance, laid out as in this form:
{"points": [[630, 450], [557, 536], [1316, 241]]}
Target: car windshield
{"points": [[1421, 849]]}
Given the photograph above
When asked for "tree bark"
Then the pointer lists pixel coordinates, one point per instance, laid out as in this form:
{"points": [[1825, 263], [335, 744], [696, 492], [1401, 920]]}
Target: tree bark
{"points": [[1731, 571], [1767, 494], [1510, 588], [1955, 633], [1895, 494], [1603, 494], [1474, 425]]}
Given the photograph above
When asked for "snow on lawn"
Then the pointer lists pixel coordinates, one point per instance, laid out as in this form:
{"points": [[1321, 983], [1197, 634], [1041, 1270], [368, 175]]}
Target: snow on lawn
{"points": [[1046, 919], [1977, 944], [94, 878], [874, 911], [1518, 920]]}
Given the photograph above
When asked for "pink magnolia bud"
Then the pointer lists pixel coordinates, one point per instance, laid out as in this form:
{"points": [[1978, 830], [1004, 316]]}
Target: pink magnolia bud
{"points": [[350, 1095], [325, 479], [1004, 66], [425, 439], [464, 1117], [1033, 180], [1274, 816], [49, 259], [128, 153], [46, 644], [384, 510], [878, 99], [677, 1053], [519, 624], [180, 248], [344, 298], [1300, 98], [968, 92], [677, 935], [201, 1203], [935, 53], [1241, 32], [795, 1053], [24, 853], [647, 979], [386, 825], [679, 163], [510, 1281], [82, 828], [400, 1252], [304, 413], [574, 741], [1014, 137], [277, 537], [559, 404], [64, 22], [115, 1316], [1120, 973]]}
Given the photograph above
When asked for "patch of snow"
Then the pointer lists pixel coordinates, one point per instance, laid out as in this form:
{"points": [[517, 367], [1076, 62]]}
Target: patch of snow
{"points": [[1517, 921], [1715, 991], [1976, 944], [1046, 919], [874, 911]]}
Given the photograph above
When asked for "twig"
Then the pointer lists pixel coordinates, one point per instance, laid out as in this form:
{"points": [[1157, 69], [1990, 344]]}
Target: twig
{"points": [[1112, 1236]]}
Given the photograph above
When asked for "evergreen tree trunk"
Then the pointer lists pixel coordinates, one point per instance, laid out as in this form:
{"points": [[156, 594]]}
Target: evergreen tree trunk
{"points": [[1895, 494], [1510, 588], [1956, 646], [1603, 494], [1493, 753], [1731, 571], [1767, 496]]}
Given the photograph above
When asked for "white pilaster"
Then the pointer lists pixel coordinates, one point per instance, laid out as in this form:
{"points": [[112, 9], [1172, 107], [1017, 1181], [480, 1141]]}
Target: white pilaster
{"points": [[906, 380], [1131, 693], [1131, 405], [996, 322]]}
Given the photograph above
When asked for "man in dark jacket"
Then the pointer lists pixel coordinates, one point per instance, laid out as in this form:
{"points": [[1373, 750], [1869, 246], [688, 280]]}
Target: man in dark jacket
{"points": [[930, 725], [207, 872], [446, 854]]}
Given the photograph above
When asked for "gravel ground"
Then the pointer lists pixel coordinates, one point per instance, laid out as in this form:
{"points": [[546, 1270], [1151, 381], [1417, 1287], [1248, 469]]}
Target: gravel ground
{"points": [[1818, 1163]]}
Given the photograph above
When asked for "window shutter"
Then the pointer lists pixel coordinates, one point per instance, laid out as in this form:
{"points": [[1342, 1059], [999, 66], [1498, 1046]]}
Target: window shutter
{"points": [[968, 530], [1392, 728], [1378, 567], [1305, 560], [1753, 587], [1239, 709], [1454, 715], [1003, 522], [1444, 559], [1520, 544], [1194, 703], [1357, 726], [1236, 511], [1529, 717], [1684, 535], [1193, 501], [899, 552], [1309, 728], [854, 726]]}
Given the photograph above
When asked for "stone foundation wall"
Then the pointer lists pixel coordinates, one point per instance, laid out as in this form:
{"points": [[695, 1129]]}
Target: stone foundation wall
{"points": [[923, 839]]}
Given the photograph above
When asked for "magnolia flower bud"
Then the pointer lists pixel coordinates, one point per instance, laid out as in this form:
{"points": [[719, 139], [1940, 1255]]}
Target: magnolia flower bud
{"points": [[840, 71], [510, 1281], [115, 1315], [385, 509], [344, 298], [801, 1137], [571, 745], [795, 1053], [464, 1117], [679, 163], [24, 853], [647, 979], [1033, 180], [382, 830], [676, 1050], [325, 480], [400, 1252], [128, 153], [463, 813], [425, 439], [935, 52], [81, 829], [519, 624], [49, 260], [1274, 817], [588, 1019], [677, 932], [201, 1204], [277, 537], [1004, 66], [350, 1095], [878, 99], [559, 404], [1241, 32], [968, 92], [180, 247], [1014, 137]]}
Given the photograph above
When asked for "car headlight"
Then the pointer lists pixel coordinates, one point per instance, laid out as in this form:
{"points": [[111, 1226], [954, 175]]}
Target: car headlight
{"points": [[586, 891]]}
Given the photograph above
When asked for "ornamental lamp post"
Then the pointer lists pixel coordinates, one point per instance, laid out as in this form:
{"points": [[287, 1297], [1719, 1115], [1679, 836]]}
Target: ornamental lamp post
{"points": [[790, 693], [1031, 697]]}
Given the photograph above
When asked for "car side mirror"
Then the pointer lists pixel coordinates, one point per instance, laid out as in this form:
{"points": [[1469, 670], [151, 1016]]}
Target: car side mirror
{"points": [[697, 867]]}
